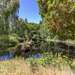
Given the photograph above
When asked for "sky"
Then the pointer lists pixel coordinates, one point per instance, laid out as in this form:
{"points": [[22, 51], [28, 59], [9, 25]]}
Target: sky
{"points": [[29, 10]]}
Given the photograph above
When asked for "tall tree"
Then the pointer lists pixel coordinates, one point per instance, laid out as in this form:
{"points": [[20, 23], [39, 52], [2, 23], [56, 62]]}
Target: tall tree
{"points": [[59, 16], [8, 9]]}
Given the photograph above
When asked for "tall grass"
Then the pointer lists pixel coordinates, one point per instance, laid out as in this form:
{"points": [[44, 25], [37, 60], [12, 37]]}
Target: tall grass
{"points": [[20, 67]]}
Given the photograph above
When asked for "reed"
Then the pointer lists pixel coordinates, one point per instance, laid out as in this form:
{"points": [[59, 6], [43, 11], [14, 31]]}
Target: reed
{"points": [[21, 67]]}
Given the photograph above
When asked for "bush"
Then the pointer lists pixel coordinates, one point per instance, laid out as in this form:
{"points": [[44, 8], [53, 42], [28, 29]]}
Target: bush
{"points": [[8, 41], [49, 59]]}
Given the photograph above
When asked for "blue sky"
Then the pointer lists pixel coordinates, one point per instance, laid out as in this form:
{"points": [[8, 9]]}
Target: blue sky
{"points": [[29, 9]]}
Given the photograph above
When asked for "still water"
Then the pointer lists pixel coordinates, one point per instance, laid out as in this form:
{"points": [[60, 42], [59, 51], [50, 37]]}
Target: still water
{"points": [[6, 56], [10, 55]]}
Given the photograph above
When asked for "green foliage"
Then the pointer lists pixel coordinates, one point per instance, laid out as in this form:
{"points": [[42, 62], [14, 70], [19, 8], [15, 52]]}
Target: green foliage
{"points": [[10, 7], [73, 65], [59, 16], [8, 41], [49, 59], [58, 21]]}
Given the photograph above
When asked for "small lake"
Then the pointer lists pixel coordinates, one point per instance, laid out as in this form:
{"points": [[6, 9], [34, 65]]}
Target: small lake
{"points": [[6, 56], [9, 55]]}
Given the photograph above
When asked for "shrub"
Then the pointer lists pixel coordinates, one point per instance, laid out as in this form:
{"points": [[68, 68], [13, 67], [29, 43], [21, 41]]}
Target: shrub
{"points": [[49, 59]]}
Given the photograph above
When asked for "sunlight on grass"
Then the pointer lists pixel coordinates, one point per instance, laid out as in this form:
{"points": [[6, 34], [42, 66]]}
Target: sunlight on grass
{"points": [[20, 67]]}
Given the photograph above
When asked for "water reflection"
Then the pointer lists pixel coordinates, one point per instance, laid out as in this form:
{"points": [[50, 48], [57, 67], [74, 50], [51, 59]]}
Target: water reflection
{"points": [[38, 55], [9, 55], [6, 56]]}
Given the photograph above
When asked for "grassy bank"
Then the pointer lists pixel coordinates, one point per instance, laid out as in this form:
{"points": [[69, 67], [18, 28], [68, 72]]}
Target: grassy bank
{"points": [[21, 67]]}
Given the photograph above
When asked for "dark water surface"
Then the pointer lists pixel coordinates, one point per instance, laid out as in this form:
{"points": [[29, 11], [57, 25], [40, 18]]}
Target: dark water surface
{"points": [[10, 55], [6, 56]]}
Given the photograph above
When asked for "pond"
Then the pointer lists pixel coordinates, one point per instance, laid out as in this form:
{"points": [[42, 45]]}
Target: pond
{"points": [[6, 56], [37, 55]]}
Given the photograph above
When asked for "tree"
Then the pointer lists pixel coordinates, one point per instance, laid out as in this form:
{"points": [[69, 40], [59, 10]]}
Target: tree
{"points": [[8, 14], [59, 16], [8, 9]]}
